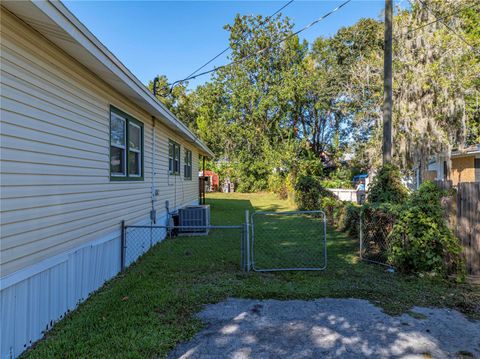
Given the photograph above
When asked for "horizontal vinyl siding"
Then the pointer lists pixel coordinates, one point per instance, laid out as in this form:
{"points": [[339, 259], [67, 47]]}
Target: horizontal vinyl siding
{"points": [[177, 190], [55, 181]]}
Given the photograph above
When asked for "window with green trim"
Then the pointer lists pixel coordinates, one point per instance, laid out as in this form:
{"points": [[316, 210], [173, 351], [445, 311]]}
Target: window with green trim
{"points": [[126, 147], [173, 158], [187, 167]]}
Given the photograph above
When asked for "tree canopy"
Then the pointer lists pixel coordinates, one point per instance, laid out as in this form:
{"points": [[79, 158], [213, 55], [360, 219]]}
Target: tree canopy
{"points": [[284, 106]]}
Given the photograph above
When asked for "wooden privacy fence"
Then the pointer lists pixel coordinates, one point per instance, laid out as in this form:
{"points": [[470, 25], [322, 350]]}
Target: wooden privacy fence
{"points": [[463, 211]]}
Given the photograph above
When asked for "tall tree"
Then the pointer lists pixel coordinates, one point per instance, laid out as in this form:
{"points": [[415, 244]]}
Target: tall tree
{"points": [[282, 104], [177, 99], [244, 105], [433, 71]]}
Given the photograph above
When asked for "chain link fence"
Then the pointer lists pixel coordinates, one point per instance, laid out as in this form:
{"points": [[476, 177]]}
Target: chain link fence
{"points": [[193, 248], [375, 227], [139, 239], [288, 241], [274, 241]]}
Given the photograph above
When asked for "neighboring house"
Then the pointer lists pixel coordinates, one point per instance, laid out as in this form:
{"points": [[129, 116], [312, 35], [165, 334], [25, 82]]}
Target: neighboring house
{"points": [[84, 145], [465, 167], [213, 180]]}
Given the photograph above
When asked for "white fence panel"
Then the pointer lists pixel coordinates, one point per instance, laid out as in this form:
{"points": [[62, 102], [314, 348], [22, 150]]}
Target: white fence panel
{"points": [[344, 194]]}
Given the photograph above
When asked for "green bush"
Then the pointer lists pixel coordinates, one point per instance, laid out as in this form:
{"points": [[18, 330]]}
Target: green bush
{"points": [[339, 215], [250, 176], [378, 220], [387, 187], [421, 240], [310, 166], [277, 184], [309, 193], [290, 188], [351, 219], [336, 183], [331, 206]]}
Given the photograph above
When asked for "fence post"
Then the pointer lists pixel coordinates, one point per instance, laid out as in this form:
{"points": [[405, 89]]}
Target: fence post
{"points": [[247, 239], [360, 232], [122, 247], [325, 238]]}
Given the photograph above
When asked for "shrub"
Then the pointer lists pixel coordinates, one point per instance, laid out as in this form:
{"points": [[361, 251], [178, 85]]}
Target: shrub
{"points": [[311, 166], [336, 183], [331, 206], [339, 215], [377, 223], [421, 240], [290, 188], [309, 194], [250, 176], [387, 187], [277, 185], [351, 219]]}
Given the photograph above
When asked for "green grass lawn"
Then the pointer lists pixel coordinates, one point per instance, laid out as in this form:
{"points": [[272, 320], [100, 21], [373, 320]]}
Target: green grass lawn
{"points": [[147, 310]]}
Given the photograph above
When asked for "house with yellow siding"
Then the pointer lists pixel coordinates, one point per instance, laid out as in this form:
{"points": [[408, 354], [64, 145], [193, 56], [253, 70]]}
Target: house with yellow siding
{"points": [[464, 167], [84, 146]]}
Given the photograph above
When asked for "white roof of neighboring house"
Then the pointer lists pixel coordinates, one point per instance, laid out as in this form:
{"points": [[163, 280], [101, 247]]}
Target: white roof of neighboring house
{"points": [[54, 21], [472, 150], [468, 151], [348, 156]]}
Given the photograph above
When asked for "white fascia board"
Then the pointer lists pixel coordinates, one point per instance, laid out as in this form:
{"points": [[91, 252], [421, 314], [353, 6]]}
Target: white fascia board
{"points": [[466, 154], [66, 22]]}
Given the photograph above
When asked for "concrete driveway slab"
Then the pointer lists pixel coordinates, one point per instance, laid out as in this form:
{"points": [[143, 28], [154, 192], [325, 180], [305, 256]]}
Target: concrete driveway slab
{"points": [[328, 328]]}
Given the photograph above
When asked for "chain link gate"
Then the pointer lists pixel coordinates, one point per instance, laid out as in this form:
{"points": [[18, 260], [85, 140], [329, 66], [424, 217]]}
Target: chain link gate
{"points": [[283, 241], [266, 241], [375, 227]]}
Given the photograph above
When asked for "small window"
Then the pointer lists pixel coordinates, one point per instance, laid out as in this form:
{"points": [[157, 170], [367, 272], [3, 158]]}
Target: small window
{"points": [[173, 158], [126, 147], [187, 167]]}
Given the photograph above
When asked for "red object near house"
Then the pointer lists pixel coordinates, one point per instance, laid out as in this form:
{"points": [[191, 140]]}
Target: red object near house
{"points": [[214, 181]]}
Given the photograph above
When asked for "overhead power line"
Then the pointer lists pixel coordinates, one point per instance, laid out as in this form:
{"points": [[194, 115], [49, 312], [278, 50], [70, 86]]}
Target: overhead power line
{"points": [[265, 48], [437, 19], [228, 48], [435, 14]]}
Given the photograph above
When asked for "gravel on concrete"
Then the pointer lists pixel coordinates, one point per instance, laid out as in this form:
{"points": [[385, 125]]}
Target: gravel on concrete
{"points": [[328, 328]]}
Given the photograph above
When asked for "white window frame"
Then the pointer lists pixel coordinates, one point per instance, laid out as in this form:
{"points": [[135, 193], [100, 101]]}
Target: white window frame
{"points": [[127, 122], [187, 166], [174, 162], [124, 147], [177, 160], [139, 151]]}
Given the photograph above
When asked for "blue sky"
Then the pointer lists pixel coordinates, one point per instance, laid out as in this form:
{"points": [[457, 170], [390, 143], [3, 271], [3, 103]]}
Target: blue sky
{"points": [[176, 37]]}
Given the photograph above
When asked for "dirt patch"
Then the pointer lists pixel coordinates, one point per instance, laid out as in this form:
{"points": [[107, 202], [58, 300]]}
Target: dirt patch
{"points": [[328, 328]]}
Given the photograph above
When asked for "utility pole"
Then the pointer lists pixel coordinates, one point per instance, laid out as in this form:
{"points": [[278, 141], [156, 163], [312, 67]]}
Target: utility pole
{"points": [[387, 84], [155, 84]]}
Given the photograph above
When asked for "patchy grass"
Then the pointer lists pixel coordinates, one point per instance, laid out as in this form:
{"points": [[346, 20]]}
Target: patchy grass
{"points": [[416, 315], [149, 309]]}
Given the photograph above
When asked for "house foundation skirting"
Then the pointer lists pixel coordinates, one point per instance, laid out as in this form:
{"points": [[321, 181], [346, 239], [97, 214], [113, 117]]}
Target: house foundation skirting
{"points": [[34, 298]]}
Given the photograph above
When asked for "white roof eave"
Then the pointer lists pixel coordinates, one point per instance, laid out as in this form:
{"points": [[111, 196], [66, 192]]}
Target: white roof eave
{"points": [[59, 25]]}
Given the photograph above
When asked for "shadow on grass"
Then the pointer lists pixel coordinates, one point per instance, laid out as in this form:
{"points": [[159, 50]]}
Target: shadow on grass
{"points": [[146, 311]]}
